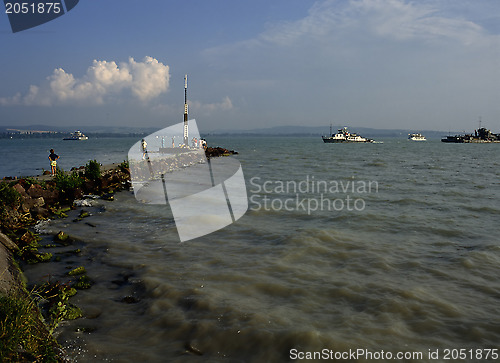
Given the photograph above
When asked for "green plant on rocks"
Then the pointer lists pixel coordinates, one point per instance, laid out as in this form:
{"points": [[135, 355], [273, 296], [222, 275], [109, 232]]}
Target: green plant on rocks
{"points": [[28, 251], [124, 166], [8, 195], [61, 237], [84, 282], [61, 212], [59, 308], [32, 181], [66, 182], [77, 271], [93, 170], [44, 257]]}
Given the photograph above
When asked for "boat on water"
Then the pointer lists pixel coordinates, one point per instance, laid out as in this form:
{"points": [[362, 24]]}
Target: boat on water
{"points": [[343, 135], [481, 135], [416, 137], [77, 135]]}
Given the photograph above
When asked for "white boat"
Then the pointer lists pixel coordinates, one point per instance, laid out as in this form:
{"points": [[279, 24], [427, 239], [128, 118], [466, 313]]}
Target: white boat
{"points": [[343, 135], [77, 135], [416, 137]]}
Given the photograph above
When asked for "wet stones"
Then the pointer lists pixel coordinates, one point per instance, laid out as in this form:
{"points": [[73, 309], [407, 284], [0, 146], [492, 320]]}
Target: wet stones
{"points": [[7, 242], [108, 196], [190, 348], [77, 271], [83, 282], [129, 300], [218, 151], [61, 237]]}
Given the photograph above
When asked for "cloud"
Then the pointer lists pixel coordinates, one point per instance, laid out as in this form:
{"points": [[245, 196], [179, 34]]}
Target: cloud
{"points": [[329, 23], [206, 108], [103, 82], [372, 62]]}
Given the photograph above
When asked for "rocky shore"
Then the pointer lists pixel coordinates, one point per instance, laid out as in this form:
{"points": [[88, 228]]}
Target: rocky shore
{"points": [[29, 315], [26, 329]]}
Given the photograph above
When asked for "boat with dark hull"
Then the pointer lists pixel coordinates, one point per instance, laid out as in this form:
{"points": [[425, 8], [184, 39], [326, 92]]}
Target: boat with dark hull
{"points": [[482, 135]]}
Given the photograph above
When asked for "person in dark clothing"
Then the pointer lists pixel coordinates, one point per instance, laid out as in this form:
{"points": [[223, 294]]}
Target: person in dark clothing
{"points": [[53, 163]]}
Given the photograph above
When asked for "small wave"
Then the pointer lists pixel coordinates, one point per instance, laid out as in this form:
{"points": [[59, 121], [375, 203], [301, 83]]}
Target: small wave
{"points": [[84, 203], [482, 209], [43, 227], [378, 163]]}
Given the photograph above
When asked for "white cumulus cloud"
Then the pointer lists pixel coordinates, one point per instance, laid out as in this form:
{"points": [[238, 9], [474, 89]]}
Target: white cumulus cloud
{"points": [[103, 81]]}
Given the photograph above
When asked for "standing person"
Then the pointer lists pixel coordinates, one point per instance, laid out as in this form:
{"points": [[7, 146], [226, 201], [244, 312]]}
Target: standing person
{"points": [[53, 163], [144, 145]]}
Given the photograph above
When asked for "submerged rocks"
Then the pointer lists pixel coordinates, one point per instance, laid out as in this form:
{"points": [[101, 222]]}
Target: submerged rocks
{"points": [[61, 237], [77, 271], [108, 196], [190, 348], [218, 151], [84, 282]]}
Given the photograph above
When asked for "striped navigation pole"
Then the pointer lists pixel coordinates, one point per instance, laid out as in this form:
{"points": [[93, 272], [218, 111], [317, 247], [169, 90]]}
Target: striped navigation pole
{"points": [[186, 135]]}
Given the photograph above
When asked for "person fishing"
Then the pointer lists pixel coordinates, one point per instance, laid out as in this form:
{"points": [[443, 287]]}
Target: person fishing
{"points": [[53, 163]]}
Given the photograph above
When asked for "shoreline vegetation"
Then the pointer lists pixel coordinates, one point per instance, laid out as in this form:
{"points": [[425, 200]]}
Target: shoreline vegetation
{"points": [[29, 315]]}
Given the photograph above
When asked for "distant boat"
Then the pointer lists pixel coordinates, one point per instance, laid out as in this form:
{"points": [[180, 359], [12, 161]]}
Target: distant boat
{"points": [[481, 135], [416, 137], [343, 135], [77, 135]]}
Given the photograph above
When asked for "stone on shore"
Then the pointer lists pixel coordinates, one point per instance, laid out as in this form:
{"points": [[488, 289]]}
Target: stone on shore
{"points": [[7, 242], [61, 237]]}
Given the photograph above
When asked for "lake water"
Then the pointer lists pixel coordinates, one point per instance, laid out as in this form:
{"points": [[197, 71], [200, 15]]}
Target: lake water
{"points": [[375, 248]]}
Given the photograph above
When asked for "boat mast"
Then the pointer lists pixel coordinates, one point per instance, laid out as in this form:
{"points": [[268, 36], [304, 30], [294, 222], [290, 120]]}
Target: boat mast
{"points": [[186, 137]]}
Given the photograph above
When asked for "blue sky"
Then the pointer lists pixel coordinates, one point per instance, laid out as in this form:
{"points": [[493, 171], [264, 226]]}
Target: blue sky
{"points": [[251, 64]]}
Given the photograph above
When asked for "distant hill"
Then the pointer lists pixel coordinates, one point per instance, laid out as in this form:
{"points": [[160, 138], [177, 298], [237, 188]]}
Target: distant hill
{"points": [[109, 131], [87, 130]]}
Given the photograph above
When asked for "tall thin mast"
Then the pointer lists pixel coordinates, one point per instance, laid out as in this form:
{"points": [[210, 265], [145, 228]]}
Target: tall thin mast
{"points": [[186, 135]]}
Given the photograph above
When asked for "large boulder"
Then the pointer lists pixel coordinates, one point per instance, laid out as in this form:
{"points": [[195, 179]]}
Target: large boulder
{"points": [[29, 203], [39, 212], [19, 188], [50, 196], [7, 242], [35, 190]]}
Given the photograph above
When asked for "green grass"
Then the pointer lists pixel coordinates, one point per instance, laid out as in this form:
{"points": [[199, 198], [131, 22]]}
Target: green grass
{"points": [[23, 335]]}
